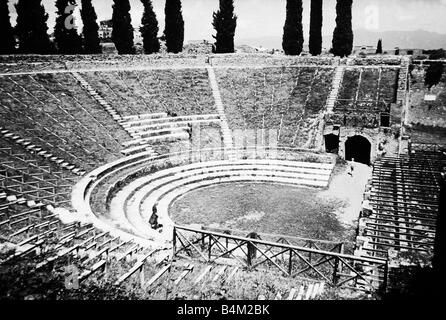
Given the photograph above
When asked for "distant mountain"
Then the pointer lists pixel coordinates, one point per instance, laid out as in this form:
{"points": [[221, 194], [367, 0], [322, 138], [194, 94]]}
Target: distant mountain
{"points": [[418, 39], [391, 39]]}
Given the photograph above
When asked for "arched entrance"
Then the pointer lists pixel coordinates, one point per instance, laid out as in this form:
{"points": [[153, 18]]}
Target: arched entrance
{"points": [[331, 143], [359, 148]]}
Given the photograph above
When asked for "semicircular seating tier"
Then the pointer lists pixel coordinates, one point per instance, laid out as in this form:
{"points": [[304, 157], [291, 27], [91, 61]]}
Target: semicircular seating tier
{"points": [[119, 197]]}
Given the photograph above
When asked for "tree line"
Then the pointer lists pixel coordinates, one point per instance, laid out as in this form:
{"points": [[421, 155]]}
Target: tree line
{"points": [[293, 37], [30, 35]]}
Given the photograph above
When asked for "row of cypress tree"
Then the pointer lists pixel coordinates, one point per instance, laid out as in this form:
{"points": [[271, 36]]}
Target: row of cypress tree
{"points": [[293, 37], [31, 29], [225, 22]]}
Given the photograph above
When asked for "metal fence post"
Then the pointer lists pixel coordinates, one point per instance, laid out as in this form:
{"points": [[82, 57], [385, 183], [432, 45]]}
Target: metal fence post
{"points": [[210, 248], [341, 251], [174, 241], [310, 245], [335, 271], [386, 277], [203, 241], [248, 255], [141, 275]]}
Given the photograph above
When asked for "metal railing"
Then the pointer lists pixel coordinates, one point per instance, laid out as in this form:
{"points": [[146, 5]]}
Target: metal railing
{"points": [[334, 267]]}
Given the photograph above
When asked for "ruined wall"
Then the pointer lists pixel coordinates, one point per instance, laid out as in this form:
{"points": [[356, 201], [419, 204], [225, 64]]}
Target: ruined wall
{"points": [[383, 141]]}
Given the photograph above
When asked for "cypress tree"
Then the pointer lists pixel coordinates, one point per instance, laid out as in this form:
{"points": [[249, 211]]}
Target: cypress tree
{"points": [[31, 28], [225, 23], [174, 29], [122, 34], [7, 39], [343, 33], [66, 37], [293, 37], [149, 29], [316, 27], [379, 47], [92, 44]]}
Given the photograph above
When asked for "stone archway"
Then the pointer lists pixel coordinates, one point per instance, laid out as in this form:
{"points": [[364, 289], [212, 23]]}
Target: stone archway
{"points": [[331, 143], [359, 148]]}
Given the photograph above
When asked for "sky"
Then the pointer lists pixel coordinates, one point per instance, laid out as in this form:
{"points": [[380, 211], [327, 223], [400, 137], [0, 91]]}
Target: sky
{"points": [[262, 18]]}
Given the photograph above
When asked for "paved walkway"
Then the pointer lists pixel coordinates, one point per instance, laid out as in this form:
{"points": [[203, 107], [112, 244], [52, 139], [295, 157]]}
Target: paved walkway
{"points": [[350, 189]]}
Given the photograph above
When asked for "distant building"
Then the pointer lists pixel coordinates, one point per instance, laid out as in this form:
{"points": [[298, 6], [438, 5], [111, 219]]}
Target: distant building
{"points": [[262, 49], [411, 52], [367, 50], [198, 42], [415, 53], [371, 50], [105, 30]]}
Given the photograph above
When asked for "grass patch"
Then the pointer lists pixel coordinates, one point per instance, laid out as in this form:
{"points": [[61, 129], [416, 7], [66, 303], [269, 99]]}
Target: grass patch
{"points": [[261, 207]]}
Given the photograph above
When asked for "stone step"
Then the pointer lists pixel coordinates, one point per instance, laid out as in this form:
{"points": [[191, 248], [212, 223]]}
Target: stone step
{"points": [[145, 122], [161, 138], [163, 191], [298, 173], [169, 124], [145, 116], [243, 166], [161, 132], [219, 104], [136, 149]]}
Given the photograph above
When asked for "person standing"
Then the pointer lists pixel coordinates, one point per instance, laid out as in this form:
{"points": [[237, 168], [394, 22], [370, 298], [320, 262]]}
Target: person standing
{"points": [[352, 167]]}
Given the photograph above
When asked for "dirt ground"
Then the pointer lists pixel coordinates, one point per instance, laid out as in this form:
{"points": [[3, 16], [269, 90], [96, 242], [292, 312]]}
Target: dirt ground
{"points": [[305, 212], [261, 207], [349, 188]]}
